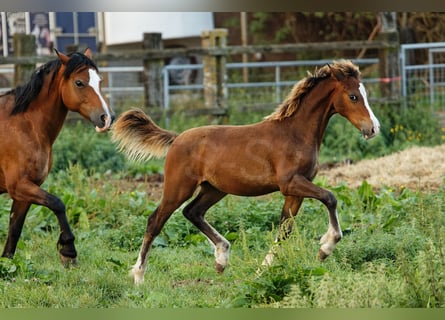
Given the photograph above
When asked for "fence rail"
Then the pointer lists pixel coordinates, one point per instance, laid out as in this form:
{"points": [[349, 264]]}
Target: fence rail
{"points": [[267, 82], [276, 86], [424, 82]]}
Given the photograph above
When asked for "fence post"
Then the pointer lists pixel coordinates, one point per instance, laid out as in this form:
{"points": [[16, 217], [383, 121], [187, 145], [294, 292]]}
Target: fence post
{"points": [[389, 65], [214, 72], [153, 85], [24, 45]]}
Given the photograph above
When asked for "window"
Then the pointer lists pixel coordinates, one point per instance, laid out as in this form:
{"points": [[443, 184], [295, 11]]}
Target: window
{"points": [[75, 29]]}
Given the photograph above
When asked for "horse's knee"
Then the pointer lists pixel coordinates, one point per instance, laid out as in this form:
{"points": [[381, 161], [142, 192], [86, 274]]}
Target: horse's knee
{"points": [[330, 200], [56, 205], [187, 212]]}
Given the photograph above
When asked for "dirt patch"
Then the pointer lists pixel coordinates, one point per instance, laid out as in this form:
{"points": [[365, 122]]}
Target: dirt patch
{"points": [[414, 168], [151, 184]]}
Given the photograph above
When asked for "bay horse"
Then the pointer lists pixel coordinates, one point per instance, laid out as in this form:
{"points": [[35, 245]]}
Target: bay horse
{"points": [[279, 153], [31, 117]]}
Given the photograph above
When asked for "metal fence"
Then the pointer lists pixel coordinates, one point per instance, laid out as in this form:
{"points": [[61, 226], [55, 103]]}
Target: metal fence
{"points": [[422, 71], [268, 82], [123, 85], [423, 82]]}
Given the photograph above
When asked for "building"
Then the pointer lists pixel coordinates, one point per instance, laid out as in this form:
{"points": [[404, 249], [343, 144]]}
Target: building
{"points": [[102, 30]]}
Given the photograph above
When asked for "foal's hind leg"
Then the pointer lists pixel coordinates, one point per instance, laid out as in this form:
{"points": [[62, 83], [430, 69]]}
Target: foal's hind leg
{"points": [[155, 223], [17, 217], [195, 212], [290, 209]]}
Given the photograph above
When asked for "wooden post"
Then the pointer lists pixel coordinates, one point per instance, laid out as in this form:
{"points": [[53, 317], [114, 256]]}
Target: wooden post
{"points": [[214, 72], [153, 85], [243, 20], [24, 46], [389, 66]]}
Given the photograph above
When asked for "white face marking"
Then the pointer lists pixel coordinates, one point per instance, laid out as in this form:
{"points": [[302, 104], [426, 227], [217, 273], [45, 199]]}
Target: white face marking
{"points": [[95, 84], [375, 121]]}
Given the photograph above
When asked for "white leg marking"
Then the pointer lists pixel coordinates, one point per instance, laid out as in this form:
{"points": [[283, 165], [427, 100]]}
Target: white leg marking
{"points": [[331, 237], [222, 252], [268, 259], [138, 271]]}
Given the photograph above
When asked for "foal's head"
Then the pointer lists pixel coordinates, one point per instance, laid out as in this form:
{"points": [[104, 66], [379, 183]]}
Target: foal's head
{"points": [[80, 89], [350, 98]]}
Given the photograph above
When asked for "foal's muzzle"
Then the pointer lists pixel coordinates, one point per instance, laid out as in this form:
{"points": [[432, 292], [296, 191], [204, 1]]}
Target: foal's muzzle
{"points": [[370, 133]]}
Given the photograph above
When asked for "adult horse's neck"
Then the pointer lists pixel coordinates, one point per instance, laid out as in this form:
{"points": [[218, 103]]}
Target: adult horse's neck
{"points": [[47, 110], [312, 116]]}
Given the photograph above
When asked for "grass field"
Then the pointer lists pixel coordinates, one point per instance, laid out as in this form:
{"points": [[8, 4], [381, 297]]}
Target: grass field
{"points": [[392, 254]]}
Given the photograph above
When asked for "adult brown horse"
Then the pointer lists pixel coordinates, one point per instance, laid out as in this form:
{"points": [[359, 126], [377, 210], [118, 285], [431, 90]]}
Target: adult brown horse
{"points": [[31, 117], [278, 154]]}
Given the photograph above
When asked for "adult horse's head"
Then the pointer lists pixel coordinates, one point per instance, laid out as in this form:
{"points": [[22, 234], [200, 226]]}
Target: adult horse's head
{"points": [[80, 89], [350, 98]]}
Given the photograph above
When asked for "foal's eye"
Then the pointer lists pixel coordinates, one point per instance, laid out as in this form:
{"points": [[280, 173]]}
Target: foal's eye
{"points": [[79, 84], [353, 98]]}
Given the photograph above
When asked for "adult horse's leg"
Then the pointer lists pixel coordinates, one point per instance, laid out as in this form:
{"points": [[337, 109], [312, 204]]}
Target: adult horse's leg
{"points": [[299, 186], [290, 209], [17, 216], [195, 212], [32, 193]]}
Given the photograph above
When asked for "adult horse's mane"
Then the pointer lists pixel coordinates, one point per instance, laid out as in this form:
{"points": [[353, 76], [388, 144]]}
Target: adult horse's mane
{"points": [[28, 92], [341, 68]]}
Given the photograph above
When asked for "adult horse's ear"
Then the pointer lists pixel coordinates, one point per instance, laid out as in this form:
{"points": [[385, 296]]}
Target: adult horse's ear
{"points": [[335, 73], [63, 57], [88, 53]]}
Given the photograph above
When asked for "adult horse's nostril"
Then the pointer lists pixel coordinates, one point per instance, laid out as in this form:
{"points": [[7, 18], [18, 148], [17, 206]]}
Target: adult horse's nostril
{"points": [[104, 118], [103, 122]]}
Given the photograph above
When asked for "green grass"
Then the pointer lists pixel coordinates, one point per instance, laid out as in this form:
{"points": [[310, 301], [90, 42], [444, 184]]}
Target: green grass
{"points": [[392, 254]]}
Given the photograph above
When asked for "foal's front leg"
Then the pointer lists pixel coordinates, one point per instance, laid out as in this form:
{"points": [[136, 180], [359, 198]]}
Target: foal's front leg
{"points": [[299, 186]]}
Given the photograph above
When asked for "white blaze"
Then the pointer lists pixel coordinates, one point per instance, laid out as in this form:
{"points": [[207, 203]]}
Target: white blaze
{"points": [[95, 84], [374, 119]]}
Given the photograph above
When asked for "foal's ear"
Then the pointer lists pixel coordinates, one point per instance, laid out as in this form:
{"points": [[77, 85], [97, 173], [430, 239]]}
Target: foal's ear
{"points": [[88, 53], [64, 58], [337, 74]]}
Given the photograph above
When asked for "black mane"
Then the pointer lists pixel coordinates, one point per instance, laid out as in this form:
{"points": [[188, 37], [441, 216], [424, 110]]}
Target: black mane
{"points": [[28, 92]]}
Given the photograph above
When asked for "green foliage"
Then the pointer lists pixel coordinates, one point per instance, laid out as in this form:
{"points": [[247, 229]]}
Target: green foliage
{"points": [[80, 144], [400, 128], [391, 254]]}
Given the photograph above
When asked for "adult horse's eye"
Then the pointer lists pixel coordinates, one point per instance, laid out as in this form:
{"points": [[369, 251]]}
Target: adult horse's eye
{"points": [[353, 98], [79, 84]]}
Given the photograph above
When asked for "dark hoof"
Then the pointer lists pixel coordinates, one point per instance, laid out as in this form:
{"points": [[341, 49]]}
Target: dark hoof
{"points": [[68, 262], [322, 255], [219, 268]]}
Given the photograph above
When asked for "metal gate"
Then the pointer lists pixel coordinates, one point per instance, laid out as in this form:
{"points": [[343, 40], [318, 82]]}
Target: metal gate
{"points": [[423, 74]]}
